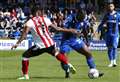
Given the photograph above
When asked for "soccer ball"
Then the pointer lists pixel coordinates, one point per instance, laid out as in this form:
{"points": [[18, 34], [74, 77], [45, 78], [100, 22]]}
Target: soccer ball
{"points": [[93, 73]]}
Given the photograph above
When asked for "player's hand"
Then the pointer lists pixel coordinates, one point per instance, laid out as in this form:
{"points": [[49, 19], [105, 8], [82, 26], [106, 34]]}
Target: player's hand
{"points": [[78, 33], [14, 46], [74, 31]]}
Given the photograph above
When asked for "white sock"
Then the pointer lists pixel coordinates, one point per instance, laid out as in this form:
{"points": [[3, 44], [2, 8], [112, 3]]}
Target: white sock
{"points": [[26, 76], [111, 62], [114, 61]]}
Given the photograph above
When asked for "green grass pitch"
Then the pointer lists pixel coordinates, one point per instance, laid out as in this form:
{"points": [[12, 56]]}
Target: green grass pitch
{"points": [[46, 68]]}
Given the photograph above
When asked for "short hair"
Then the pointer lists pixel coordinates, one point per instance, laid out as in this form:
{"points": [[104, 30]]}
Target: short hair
{"points": [[35, 9], [80, 15], [108, 3]]}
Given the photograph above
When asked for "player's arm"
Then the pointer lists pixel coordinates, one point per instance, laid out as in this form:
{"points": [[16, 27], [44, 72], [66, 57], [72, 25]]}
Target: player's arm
{"points": [[53, 26], [93, 16], [102, 24], [119, 21], [74, 31], [22, 37], [119, 26]]}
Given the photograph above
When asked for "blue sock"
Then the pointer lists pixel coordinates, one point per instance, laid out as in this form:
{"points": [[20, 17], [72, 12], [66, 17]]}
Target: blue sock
{"points": [[110, 51], [91, 63], [114, 53]]}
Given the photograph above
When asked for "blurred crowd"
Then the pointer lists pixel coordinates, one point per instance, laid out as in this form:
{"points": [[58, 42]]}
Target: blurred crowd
{"points": [[12, 19], [11, 22]]}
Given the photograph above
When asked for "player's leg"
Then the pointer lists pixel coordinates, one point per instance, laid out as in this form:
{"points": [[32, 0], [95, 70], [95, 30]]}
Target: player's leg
{"points": [[115, 45], [64, 48], [114, 57], [81, 47], [109, 42], [61, 57], [110, 56], [31, 52]]}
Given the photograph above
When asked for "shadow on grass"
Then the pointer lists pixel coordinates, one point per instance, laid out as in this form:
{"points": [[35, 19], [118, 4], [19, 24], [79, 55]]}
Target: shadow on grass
{"points": [[55, 78], [8, 78], [47, 77], [34, 77], [43, 78]]}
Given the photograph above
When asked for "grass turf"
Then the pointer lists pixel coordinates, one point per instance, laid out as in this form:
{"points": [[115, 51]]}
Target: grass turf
{"points": [[45, 68]]}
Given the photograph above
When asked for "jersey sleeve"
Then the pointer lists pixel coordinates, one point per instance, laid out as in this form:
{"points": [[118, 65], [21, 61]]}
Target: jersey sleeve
{"points": [[47, 21], [30, 23], [67, 21]]}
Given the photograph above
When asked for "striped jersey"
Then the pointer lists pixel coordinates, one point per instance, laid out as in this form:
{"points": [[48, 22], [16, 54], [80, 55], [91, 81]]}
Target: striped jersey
{"points": [[39, 30]]}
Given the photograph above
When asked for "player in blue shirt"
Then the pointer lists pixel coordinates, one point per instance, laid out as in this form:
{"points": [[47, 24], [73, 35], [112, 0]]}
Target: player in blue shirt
{"points": [[74, 41], [111, 23]]}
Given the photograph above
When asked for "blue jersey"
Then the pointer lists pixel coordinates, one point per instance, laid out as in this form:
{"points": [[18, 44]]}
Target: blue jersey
{"points": [[72, 40], [68, 23], [71, 23], [112, 21], [82, 26]]}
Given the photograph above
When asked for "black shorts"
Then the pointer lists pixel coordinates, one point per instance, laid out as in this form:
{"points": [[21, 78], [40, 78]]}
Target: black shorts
{"points": [[35, 51]]}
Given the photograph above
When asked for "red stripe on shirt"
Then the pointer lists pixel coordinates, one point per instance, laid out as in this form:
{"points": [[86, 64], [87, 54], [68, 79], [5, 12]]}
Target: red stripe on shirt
{"points": [[51, 42], [38, 32]]}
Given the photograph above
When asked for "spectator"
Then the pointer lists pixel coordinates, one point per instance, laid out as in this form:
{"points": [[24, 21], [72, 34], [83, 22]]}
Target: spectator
{"points": [[26, 10], [16, 33]]}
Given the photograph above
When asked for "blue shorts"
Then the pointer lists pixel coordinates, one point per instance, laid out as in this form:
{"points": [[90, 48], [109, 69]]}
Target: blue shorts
{"points": [[112, 41], [75, 44]]}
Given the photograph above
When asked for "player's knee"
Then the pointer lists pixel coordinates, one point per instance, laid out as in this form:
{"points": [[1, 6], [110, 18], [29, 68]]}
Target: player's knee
{"points": [[26, 55]]}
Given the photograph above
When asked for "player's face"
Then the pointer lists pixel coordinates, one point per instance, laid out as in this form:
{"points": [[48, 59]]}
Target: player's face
{"points": [[39, 13], [111, 7]]}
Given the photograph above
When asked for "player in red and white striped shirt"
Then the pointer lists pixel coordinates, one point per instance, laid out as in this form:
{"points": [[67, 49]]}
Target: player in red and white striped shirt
{"points": [[38, 25]]}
